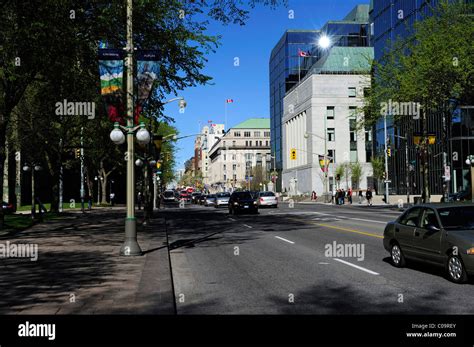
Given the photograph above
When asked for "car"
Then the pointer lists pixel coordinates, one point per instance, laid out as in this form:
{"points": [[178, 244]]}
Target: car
{"points": [[169, 196], [462, 195], [202, 199], [267, 199], [210, 200], [222, 199], [195, 197], [440, 234], [184, 195], [242, 201], [7, 207]]}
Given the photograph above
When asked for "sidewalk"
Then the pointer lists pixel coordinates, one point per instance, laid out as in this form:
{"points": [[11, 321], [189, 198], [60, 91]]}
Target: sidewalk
{"points": [[79, 270]]}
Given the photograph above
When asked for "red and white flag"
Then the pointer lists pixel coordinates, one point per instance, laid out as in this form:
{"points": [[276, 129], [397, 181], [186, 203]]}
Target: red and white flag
{"points": [[303, 53], [228, 101]]}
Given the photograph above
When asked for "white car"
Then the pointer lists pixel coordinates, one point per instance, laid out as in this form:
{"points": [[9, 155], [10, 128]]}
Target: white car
{"points": [[267, 199], [222, 199]]}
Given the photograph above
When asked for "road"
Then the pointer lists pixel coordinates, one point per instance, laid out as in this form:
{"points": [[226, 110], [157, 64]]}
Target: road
{"points": [[277, 262]]}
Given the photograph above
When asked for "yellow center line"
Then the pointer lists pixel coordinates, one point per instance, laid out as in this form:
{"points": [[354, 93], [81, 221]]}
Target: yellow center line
{"points": [[339, 228]]}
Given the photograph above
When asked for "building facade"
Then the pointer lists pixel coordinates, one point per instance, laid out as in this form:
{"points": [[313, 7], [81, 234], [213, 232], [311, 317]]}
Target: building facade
{"points": [[210, 134], [321, 117], [235, 155]]}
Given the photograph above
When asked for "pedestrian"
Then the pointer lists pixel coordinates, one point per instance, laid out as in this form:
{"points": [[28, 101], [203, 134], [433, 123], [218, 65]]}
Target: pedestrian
{"points": [[360, 196], [343, 195], [89, 202], [139, 200], [334, 196], [112, 198], [368, 196], [313, 195], [349, 196]]}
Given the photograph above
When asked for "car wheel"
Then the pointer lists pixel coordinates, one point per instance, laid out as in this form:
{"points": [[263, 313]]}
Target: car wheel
{"points": [[456, 270], [398, 259]]}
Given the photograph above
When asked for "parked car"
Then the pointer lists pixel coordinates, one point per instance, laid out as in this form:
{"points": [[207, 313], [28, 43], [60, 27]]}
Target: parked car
{"points": [[202, 199], [268, 199], [195, 197], [222, 199], [242, 201], [8, 207], [169, 196], [462, 195], [210, 200], [440, 234]]}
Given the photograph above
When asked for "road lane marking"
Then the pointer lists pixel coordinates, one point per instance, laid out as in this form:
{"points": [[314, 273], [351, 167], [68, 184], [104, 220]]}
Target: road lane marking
{"points": [[281, 238], [357, 267], [324, 263], [248, 226], [350, 230]]}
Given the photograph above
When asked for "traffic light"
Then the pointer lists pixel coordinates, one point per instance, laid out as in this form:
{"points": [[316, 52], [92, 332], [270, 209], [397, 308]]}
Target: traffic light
{"points": [[389, 152], [78, 153], [293, 154], [384, 176]]}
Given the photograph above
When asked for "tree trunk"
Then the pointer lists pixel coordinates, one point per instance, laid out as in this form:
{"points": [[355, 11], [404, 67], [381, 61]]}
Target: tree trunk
{"points": [[2, 162]]}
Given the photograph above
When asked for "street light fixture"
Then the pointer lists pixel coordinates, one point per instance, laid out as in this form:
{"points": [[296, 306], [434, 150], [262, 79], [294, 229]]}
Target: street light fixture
{"points": [[32, 168]]}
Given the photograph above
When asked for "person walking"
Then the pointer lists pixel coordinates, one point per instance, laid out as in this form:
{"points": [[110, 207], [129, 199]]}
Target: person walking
{"points": [[343, 196], [313, 195], [368, 195], [360, 196], [349, 196]]}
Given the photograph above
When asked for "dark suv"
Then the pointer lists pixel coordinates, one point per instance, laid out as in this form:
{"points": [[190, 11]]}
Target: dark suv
{"points": [[242, 202]]}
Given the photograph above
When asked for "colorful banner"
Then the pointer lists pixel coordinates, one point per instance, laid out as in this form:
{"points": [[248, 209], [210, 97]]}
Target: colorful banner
{"points": [[148, 70], [111, 83], [321, 163]]}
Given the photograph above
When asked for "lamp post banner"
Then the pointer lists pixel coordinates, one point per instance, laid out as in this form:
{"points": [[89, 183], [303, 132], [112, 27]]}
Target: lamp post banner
{"points": [[322, 164], [111, 83], [148, 70]]}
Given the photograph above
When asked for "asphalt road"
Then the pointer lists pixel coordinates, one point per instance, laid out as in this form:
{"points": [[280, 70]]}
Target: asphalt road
{"points": [[277, 262]]}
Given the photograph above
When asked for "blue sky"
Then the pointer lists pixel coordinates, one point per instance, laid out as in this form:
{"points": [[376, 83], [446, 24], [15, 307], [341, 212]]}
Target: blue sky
{"points": [[248, 83]]}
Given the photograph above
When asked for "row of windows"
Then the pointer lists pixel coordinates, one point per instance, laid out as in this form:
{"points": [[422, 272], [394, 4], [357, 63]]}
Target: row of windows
{"points": [[255, 134], [258, 143], [330, 112]]}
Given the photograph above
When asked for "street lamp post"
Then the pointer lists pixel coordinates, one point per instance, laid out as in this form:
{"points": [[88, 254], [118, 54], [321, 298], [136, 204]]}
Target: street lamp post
{"points": [[326, 165], [470, 161], [32, 168]]}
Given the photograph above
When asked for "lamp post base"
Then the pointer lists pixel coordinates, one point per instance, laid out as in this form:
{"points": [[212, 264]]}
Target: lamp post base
{"points": [[130, 246]]}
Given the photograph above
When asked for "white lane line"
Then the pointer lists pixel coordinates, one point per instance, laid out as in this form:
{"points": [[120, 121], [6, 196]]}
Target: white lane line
{"points": [[357, 267], [281, 238], [324, 263], [232, 219], [248, 226]]}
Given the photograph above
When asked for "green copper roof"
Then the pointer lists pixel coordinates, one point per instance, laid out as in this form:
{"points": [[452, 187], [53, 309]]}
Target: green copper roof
{"points": [[254, 123], [345, 59]]}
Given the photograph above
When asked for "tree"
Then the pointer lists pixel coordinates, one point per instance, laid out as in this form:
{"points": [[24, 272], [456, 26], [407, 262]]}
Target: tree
{"points": [[356, 173], [430, 67], [378, 167], [340, 172], [258, 177]]}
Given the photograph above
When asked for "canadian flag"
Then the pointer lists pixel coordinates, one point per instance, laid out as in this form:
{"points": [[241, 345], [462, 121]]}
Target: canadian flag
{"points": [[303, 53], [229, 101]]}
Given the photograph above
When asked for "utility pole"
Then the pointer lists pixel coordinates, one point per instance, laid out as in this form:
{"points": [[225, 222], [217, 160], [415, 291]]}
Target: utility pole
{"points": [[130, 245]]}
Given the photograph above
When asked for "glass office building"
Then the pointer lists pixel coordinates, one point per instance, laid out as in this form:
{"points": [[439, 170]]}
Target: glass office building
{"points": [[391, 20], [287, 67]]}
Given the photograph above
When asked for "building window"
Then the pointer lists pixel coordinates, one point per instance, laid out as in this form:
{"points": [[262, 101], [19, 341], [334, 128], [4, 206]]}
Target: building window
{"points": [[250, 143], [235, 177], [234, 167], [332, 155], [224, 158], [224, 143], [266, 134], [256, 134], [352, 111], [266, 143], [237, 133], [225, 177], [233, 143], [225, 167], [352, 92], [246, 143], [246, 133], [233, 156], [330, 112], [331, 134]]}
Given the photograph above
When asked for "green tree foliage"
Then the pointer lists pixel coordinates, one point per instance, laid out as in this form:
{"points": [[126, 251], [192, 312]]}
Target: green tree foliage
{"points": [[356, 173]]}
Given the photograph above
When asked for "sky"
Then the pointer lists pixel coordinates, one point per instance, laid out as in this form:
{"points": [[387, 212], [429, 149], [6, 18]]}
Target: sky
{"points": [[248, 83]]}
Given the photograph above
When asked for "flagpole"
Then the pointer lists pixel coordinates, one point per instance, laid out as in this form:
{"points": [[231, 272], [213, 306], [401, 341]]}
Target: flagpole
{"points": [[225, 115], [299, 67]]}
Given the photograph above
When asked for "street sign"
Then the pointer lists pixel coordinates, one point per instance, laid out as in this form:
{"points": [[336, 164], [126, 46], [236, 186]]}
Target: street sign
{"points": [[447, 173], [387, 181]]}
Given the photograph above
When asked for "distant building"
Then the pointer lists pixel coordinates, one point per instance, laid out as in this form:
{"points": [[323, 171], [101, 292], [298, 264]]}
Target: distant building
{"points": [[210, 134], [233, 156]]}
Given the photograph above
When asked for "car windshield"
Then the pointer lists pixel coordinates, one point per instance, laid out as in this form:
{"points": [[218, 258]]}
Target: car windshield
{"points": [[243, 195], [168, 194], [267, 194], [211, 196], [223, 195], [460, 217]]}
